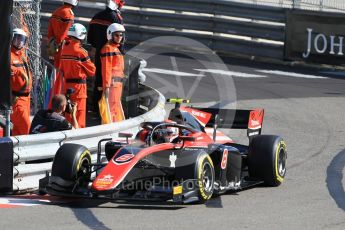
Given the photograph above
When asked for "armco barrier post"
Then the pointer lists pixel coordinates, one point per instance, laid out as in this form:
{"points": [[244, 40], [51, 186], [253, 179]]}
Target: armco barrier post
{"points": [[6, 165], [133, 87]]}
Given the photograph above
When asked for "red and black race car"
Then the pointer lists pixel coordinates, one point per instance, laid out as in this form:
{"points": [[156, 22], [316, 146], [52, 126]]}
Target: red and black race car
{"points": [[179, 160]]}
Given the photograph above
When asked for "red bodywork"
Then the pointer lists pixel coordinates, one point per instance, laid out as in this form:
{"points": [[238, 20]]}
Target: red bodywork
{"points": [[113, 174], [119, 166], [256, 118]]}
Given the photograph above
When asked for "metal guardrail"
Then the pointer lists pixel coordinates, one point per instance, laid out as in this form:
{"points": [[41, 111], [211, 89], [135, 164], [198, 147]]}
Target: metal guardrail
{"points": [[314, 5], [30, 148], [224, 26]]}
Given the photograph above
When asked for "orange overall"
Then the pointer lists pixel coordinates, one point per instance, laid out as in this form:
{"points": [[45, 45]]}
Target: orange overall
{"points": [[113, 76], [21, 80], [59, 24], [76, 66]]}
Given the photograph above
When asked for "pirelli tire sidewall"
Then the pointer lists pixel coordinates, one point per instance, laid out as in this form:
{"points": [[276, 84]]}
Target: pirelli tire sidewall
{"points": [[204, 162], [267, 159], [68, 161]]}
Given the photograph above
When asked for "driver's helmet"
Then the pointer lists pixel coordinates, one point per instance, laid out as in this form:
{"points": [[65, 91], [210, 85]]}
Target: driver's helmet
{"points": [[173, 132], [160, 136]]}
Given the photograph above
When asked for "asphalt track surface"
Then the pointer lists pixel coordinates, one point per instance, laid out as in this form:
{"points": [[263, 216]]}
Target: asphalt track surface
{"points": [[305, 106]]}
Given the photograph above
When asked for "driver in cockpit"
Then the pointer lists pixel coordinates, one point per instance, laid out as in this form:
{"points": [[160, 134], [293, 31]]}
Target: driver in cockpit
{"points": [[163, 134]]}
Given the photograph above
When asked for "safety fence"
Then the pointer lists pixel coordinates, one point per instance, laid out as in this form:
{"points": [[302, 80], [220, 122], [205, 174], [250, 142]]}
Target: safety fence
{"points": [[225, 27], [25, 15], [29, 150]]}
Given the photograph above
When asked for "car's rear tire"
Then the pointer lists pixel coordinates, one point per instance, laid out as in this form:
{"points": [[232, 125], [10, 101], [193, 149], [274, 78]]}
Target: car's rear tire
{"points": [[205, 176], [267, 159], [71, 162]]}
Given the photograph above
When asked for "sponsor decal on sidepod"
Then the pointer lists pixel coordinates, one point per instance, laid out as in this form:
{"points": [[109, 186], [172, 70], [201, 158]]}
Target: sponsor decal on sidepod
{"points": [[123, 159]]}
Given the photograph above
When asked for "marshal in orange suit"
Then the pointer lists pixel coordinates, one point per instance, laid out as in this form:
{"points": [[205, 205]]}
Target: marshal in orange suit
{"points": [[59, 23], [76, 66], [21, 81], [113, 72]]}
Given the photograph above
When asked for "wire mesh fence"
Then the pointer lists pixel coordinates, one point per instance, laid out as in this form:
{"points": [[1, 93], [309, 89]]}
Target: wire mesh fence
{"points": [[26, 16]]}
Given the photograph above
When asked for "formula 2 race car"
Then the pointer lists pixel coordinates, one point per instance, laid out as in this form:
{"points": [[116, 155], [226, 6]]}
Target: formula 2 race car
{"points": [[177, 160]]}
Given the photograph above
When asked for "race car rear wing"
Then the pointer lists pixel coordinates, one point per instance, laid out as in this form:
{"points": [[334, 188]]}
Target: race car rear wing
{"points": [[251, 120], [220, 118]]}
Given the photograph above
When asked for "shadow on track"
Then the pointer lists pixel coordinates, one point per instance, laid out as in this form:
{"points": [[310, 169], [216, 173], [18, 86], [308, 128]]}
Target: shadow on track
{"points": [[82, 212], [86, 217], [334, 179], [119, 204]]}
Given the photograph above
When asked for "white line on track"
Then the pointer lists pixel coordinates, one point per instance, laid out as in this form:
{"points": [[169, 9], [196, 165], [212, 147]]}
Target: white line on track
{"points": [[21, 202], [30, 200], [291, 74], [172, 72], [230, 73]]}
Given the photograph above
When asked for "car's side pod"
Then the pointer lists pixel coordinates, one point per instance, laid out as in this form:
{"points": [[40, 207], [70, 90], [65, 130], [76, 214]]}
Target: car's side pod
{"points": [[236, 119]]}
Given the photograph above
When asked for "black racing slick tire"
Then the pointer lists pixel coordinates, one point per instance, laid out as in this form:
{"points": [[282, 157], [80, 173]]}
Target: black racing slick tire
{"points": [[267, 159], [71, 162], [205, 177]]}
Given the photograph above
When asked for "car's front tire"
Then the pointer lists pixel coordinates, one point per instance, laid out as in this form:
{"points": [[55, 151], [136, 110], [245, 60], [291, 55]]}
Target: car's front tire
{"points": [[72, 162]]}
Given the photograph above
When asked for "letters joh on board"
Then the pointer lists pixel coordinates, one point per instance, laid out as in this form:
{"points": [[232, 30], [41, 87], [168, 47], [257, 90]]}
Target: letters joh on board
{"points": [[315, 37]]}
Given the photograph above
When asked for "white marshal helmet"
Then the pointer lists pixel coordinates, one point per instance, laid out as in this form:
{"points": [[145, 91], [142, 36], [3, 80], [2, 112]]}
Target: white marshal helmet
{"points": [[114, 4], [77, 30], [20, 38], [115, 27], [18, 31], [72, 2]]}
